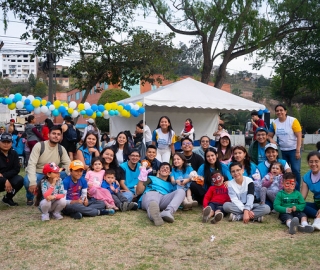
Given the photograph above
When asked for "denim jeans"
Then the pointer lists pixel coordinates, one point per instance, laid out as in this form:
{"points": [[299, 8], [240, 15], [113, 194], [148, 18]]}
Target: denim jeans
{"points": [[311, 210], [39, 176], [128, 195], [295, 164]]}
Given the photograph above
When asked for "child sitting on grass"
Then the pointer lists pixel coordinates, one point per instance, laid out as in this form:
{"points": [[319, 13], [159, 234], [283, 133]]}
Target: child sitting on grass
{"points": [[290, 204], [50, 193], [214, 199]]}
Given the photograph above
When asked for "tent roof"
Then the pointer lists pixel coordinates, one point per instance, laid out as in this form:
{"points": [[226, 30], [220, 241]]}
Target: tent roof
{"points": [[190, 93]]}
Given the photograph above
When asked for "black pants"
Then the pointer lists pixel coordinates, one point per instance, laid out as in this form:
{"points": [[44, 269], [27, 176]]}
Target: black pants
{"points": [[198, 192], [16, 183]]}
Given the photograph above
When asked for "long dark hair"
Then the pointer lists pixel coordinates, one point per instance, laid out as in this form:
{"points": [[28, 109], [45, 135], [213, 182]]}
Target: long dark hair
{"points": [[184, 164], [246, 161], [170, 129], [107, 139], [39, 195], [207, 166], [126, 148], [227, 155], [49, 123], [114, 163], [91, 132], [30, 118]]}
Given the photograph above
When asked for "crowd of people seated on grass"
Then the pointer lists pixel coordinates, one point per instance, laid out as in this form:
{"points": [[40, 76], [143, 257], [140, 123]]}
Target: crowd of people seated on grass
{"points": [[73, 175]]}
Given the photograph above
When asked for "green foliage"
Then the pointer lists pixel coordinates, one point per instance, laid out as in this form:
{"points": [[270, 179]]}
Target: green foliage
{"points": [[32, 81], [5, 85], [110, 95], [40, 90], [258, 95], [263, 82], [234, 121], [237, 92], [23, 88], [310, 118]]}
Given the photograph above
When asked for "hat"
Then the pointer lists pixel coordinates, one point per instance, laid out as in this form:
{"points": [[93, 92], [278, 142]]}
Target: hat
{"points": [[12, 120], [6, 137], [51, 167], [261, 129], [224, 134], [76, 165], [90, 121], [271, 145]]}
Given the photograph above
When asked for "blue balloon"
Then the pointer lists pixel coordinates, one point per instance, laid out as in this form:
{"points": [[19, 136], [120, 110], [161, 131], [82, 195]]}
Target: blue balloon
{"points": [[141, 110], [111, 112], [18, 96], [83, 112], [39, 98], [99, 114], [62, 109], [8, 101], [55, 112], [116, 112], [100, 108], [48, 104], [14, 100], [64, 114], [4, 101], [127, 107], [89, 112], [260, 112], [27, 102], [29, 108], [1, 100], [94, 107]]}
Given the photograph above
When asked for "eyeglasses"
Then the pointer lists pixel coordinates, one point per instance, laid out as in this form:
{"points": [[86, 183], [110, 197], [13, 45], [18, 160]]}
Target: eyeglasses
{"points": [[187, 144], [204, 141], [165, 168]]}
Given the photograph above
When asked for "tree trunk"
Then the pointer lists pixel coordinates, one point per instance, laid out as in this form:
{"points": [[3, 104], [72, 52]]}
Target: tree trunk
{"points": [[221, 76]]}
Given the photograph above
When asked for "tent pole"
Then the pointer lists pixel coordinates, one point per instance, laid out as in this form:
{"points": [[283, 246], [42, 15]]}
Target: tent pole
{"points": [[144, 122]]}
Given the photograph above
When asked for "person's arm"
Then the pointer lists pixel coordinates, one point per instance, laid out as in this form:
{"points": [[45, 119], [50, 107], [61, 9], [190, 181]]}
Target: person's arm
{"points": [[287, 167], [84, 134], [65, 160], [277, 204], [81, 158], [154, 138], [142, 186], [271, 134], [123, 185], [38, 134], [298, 147], [266, 181], [172, 149], [301, 203], [15, 169], [32, 165], [304, 190], [234, 198]]}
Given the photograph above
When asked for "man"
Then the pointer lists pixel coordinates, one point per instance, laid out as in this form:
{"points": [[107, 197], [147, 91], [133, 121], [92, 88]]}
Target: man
{"points": [[10, 180], [151, 154], [69, 137], [256, 122], [256, 150], [131, 169], [193, 159], [10, 128], [42, 153], [158, 194]]}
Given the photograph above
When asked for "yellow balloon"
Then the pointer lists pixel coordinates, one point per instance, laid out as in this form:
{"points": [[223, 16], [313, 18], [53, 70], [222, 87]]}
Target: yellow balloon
{"points": [[36, 103], [43, 102], [107, 106], [120, 108], [65, 104], [123, 113], [81, 106], [12, 106], [94, 115], [139, 103], [114, 106], [70, 111], [57, 104]]}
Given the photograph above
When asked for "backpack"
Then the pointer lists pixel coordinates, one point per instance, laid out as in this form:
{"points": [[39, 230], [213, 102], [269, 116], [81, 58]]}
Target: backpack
{"points": [[71, 134], [59, 149]]}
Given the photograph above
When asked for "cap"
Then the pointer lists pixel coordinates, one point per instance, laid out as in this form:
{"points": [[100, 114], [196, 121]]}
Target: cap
{"points": [[271, 145], [12, 120], [261, 129], [224, 134], [90, 121], [6, 137], [51, 167], [76, 165]]}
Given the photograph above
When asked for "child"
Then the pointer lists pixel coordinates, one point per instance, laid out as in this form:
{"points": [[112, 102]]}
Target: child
{"points": [[50, 197], [272, 182], [290, 204], [144, 171], [110, 183], [214, 199], [76, 187], [94, 179], [180, 176], [151, 154]]}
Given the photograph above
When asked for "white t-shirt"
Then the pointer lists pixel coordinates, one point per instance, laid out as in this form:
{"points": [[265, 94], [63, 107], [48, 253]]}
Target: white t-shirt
{"points": [[162, 139], [147, 133], [119, 156]]}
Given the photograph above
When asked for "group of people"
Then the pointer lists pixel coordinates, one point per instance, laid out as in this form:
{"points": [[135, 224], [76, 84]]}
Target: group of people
{"points": [[246, 185]]}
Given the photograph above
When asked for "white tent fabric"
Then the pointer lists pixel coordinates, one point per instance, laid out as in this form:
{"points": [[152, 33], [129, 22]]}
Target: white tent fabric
{"points": [[187, 98]]}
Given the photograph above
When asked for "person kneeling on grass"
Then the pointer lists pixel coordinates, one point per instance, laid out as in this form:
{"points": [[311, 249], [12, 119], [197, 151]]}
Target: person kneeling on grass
{"points": [[214, 199], [50, 193], [158, 194], [241, 193], [290, 204], [76, 188]]}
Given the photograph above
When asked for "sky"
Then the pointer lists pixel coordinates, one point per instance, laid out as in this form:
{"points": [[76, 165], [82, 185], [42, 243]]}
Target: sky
{"points": [[12, 41]]}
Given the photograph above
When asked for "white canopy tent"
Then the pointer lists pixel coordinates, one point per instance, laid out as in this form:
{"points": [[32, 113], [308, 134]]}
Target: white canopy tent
{"points": [[184, 99]]}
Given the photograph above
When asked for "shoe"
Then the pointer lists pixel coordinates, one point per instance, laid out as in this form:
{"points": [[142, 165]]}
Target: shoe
{"points": [[154, 213], [316, 224], [205, 214], [30, 203], [45, 217], [293, 225], [259, 219], [133, 206], [273, 211], [107, 212], [193, 203], [76, 215], [234, 217], [186, 204], [167, 216], [217, 217], [57, 216], [305, 229], [8, 201], [124, 207]]}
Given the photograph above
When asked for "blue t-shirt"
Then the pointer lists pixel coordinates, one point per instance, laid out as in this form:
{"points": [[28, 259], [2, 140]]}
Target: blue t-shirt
{"points": [[131, 178], [179, 174], [224, 170], [261, 154], [263, 167], [74, 189]]}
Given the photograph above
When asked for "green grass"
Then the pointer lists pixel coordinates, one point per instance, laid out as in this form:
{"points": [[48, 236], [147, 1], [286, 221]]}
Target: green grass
{"points": [[130, 241]]}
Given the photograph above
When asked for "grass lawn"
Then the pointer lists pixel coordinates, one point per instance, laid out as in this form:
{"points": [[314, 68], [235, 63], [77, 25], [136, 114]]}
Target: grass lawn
{"points": [[130, 241]]}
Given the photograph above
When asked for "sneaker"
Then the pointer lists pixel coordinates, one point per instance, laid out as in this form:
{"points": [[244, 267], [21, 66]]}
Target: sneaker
{"points": [[107, 212], [273, 211], [217, 217], [305, 229], [167, 216], [45, 217], [234, 217], [30, 203], [154, 213], [316, 224], [8, 201], [124, 207], [259, 219], [186, 205], [57, 216], [205, 214], [76, 215], [133, 206], [293, 225]]}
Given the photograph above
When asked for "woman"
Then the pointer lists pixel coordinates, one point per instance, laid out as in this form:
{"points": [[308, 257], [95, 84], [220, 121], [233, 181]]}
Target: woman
{"points": [[218, 132], [121, 147], [147, 132], [90, 127], [90, 148], [311, 181], [104, 140], [289, 135], [204, 145], [46, 128], [188, 130], [224, 148], [33, 135], [164, 138], [210, 166]]}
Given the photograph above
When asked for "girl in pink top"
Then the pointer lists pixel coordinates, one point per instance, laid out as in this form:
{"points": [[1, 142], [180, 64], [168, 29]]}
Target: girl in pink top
{"points": [[94, 179]]}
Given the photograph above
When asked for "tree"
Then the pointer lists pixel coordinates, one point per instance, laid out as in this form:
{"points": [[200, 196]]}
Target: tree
{"points": [[236, 91], [258, 95], [21, 87], [40, 90], [310, 118], [237, 27], [5, 85], [32, 81], [262, 81], [110, 95]]}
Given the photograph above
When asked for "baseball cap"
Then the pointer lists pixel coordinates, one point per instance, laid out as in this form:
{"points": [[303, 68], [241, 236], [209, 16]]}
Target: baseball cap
{"points": [[76, 165], [6, 137], [271, 145], [261, 129], [12, 120], [224, 134], [90, 121], [51, 167]]}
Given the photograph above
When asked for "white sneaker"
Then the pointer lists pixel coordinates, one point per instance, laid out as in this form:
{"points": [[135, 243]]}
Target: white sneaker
{"points": [[57, 215], [45, 217], [234, 217], [316, 224]]}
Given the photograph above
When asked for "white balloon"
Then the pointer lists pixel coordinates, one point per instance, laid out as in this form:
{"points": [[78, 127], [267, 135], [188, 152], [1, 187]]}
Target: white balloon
{"points": [[131, 105], [51, 107], [136, 107], [48, 113], [30, 97], [43, 109], [19, 105], [75, 114], [87, 105], [106, 116], [105, 112], [11, 96], [37, 110], [73, 104], [23, 98]]}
